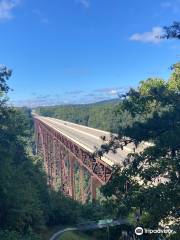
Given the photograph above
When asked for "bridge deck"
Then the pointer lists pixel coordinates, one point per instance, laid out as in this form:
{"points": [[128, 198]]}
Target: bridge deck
{"points": [[86, 137]]}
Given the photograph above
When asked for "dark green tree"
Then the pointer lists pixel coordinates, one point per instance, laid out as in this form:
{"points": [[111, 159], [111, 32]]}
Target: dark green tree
{"points": [[21, 205], [27, 204], [172, 31], [147, 188]]}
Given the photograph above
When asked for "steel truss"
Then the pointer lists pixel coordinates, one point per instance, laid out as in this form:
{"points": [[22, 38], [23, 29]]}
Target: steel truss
{"points": [[60, 155]]}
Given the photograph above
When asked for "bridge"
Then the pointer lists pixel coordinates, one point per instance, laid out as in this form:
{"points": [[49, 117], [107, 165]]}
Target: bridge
{"points": [[67, 152]]}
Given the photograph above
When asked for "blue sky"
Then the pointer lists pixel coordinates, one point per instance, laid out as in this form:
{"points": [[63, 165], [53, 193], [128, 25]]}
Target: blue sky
{"points": [[79, 51]]}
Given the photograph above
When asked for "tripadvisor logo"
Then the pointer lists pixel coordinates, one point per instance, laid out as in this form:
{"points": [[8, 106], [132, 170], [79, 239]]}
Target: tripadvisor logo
{"points": [[139, 231]]}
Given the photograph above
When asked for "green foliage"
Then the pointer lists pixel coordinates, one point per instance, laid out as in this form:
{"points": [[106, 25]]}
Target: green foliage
{"points": [[148, 184], [146, 86], [13, 235], [27, 205], [21, 200], [172, 31], [20, 204], [74, 236], [4, 76], [100, 116], [9, 235], [174, 82], [24, 196], [149, 113], [64, 210]]}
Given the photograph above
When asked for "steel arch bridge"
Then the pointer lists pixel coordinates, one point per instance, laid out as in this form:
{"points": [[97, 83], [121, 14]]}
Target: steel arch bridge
{"points": [[67, 152]]}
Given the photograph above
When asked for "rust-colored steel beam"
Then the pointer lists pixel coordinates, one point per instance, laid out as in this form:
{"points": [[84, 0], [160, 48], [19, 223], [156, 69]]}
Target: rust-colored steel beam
{"points": [[81, 183], [71, 177], [94, 185], [59, 155]]}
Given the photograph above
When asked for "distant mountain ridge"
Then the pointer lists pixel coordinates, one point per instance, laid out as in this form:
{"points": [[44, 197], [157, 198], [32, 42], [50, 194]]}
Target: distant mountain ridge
{"points": [[103, 102], [98, 115]]}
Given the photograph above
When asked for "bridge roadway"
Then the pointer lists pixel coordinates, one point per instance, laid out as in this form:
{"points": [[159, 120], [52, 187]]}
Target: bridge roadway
{"points": [[86, 137]]}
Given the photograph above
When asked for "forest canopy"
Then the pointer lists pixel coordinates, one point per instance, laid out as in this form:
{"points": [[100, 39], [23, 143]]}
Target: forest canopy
{"points": [[147, 187]]}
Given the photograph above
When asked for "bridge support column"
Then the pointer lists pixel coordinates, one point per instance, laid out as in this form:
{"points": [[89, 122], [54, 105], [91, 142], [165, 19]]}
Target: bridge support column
{"points": [[50, 161], [72, 180], [36, 137], [94, 184], [81, 182], [64, 173], [63, 157], [53, 163]]}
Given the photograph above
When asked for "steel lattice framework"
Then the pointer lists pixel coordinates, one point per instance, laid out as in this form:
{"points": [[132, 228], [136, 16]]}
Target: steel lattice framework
{"points": [[60, 156]]}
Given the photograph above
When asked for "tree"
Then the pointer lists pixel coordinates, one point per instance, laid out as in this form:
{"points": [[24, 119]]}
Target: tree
{"points": [[27, 204], [20, 201], [172, 31], [148, 184]]}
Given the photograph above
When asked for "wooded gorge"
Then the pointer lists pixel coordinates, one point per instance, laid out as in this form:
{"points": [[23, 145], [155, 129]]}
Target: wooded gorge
{"points": [[148, 113], [99, 115], [28, 207], [145, 191]]}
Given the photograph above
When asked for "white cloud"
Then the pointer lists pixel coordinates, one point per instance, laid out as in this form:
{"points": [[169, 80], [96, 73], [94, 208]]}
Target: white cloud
{"points": [[6, 7], [152, 36], [74, 92], [84, 3], [39, 100], [111, 91], [71, 97]]}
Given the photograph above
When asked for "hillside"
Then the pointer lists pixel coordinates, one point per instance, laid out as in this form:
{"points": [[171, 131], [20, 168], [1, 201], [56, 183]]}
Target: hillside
{"points": [[97, 115]]}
